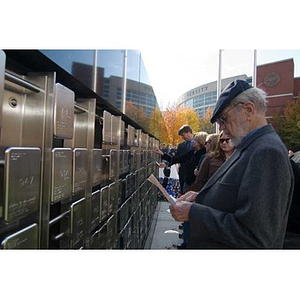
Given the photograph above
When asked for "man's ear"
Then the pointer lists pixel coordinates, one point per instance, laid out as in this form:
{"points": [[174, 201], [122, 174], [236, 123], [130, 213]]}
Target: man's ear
{"points": [[249, 108]]}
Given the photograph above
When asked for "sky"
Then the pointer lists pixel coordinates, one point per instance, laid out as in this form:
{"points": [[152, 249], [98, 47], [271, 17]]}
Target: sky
{"points": [[179, 42], [172, 73]]}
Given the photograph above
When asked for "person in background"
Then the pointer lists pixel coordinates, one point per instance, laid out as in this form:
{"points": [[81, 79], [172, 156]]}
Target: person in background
{"points": [[294, 154], [173, 150], [292, 235], [213, 160], [246, 203], [210, 145], [191, 160], [186, 134]]}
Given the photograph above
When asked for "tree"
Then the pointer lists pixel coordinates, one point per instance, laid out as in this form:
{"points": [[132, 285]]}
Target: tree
{"points": [[137, 114], [288, 125], [205, 124], [177, 116], [157, 126]]}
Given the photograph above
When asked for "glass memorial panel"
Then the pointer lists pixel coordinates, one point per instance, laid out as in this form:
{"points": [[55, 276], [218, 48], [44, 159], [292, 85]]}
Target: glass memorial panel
{"points": [[63, 112], [79, 169], [97, 166], [95, 214], [26, 238], [104, 194], [107, 129], [61, 174], [77, 221], [22, 182]]}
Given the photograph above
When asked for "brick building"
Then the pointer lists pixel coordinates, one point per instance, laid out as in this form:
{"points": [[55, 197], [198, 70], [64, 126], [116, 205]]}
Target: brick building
{"points": [[277, 80]]}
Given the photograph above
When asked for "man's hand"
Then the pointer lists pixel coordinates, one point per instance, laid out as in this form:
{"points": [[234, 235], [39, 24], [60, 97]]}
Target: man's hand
{"points": [[189, 196], [180, 211], [158, 151]]}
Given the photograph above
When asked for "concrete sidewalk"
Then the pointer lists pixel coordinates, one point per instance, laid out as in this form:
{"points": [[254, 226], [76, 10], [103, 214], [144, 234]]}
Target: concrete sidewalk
{"points": [[164, 231]]}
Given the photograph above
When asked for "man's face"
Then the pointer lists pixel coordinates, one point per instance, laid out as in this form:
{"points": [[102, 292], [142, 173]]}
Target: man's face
{"points": [[234, 124], [186, 136]]}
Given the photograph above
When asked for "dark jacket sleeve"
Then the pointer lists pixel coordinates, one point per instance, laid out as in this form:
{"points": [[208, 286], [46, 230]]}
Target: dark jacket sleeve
{"points": [[178, 159]]}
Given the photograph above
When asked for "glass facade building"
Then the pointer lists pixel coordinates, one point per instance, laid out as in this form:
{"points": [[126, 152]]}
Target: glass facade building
{"points": [[205, 96], [103, 72]]}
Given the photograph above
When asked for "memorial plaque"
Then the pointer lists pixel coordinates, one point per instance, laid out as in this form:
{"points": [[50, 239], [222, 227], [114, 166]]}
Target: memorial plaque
{"points": [[142, 175], [146, 140], [127, 186], [63, 112], [134, 201], [104, 194], [77, 221], [120, 191], [102, 237], [95, 214], [135, 138], [114, 129], [22, 182], [138, 159], [119, 218], [107, 138], [26, 238], [145, 158], [97, 166], [2, 76], [113, 198], [125, 161], [79, 169], [121, 162], [113, 163], [151, 142], [111, 232], [61, 174], [130, 135], [122, 138]]}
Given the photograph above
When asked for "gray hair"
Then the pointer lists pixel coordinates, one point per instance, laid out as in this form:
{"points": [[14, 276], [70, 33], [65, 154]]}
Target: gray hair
{"points": [[254, 95]]}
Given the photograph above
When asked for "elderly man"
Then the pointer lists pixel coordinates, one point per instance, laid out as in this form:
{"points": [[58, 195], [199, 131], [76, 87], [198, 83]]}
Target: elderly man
{"points": [[245, 204]]}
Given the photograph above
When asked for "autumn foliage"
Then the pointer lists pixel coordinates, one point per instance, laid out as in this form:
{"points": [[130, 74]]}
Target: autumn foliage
{"points": [[174, 118], [156, 125], [165, 125], [288, 125], [136, 114]]}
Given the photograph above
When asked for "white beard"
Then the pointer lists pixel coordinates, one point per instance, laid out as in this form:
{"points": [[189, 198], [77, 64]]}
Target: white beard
{"points": [[240, 134], [237, 140]]}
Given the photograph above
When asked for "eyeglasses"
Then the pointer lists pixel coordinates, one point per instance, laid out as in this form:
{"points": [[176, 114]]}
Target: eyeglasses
{"points": [[222, 119], [207, 142], [224, 140]]}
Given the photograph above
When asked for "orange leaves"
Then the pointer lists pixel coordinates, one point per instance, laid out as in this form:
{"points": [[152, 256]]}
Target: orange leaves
{"points": [[177, 116]]}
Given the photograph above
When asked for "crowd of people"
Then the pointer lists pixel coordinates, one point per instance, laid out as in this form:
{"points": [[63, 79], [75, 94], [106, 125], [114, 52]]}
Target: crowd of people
{"points": [[238, 188]]}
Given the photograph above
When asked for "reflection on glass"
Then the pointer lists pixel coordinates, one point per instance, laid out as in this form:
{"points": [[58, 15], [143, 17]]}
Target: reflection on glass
{"points": [[102, 72]]}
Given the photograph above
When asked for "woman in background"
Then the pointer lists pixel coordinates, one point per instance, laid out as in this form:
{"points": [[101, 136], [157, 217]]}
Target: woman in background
{"points": [[213, 161], [210, 145]]}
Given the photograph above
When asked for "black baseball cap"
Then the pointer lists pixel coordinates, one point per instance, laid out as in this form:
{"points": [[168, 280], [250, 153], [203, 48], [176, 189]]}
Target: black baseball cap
{"points": [[233, 89]]}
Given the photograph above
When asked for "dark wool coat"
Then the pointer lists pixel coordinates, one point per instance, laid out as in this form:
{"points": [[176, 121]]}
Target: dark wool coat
{"points": [[182, 149], [190, 159], [245, 204]]}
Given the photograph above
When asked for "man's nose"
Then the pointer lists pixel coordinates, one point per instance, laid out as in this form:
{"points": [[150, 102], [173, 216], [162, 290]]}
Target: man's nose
{"points": [[221, 126]]}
